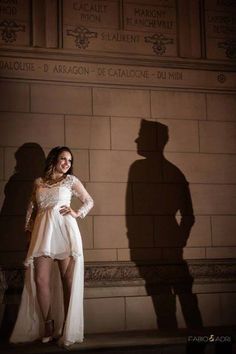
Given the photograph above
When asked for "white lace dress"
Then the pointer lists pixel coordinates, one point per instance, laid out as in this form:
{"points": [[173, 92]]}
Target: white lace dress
{"points": [[58, 237]]}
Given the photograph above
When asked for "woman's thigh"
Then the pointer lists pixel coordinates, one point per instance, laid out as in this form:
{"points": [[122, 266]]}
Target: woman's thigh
{"points": [[66, 267], [43, 269]]}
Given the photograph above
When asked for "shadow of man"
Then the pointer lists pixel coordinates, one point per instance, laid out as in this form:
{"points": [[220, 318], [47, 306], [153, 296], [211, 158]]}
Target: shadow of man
{"points": [[158, 190], [30, 160]]}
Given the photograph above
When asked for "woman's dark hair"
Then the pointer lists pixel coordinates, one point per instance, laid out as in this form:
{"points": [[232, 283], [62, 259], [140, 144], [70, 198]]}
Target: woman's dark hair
{"points": [[52, 160]]}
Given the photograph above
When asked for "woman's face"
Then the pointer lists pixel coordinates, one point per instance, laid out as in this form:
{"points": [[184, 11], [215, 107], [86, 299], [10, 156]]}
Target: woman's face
{"points": [[63, 162]]}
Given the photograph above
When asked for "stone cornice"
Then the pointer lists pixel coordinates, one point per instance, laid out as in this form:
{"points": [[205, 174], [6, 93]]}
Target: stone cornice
{"points": [[160, 75], [98, 57]]}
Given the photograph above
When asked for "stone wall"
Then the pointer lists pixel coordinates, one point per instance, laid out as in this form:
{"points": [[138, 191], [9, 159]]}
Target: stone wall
{"points": [[143, 92]]}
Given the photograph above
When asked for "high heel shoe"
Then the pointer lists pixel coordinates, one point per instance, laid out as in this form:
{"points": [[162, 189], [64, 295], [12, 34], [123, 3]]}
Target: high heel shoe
{"points": [[49, 328]]}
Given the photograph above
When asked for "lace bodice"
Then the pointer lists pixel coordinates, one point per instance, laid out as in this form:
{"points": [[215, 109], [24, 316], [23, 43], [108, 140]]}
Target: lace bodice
{"points": [[46, 196]]}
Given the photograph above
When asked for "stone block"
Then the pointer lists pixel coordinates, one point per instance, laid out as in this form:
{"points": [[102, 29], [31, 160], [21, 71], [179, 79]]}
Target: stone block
{"points": [[168, 232], [14, 97], [17, 129], [218, 199], [86, 230], [183, 135], [111, 166], [100, 255], [140, 254], [194, 253], [179, 314], [200, 234], [61, 99], [203, 168], [187, 311], [12, 259], [123, 232], [114, 291], [12, 228], [121, 102], [220, 252], [1, 164], [178, 254], [109, 198], [2, 193], [228, 309], [104, 315], [110, 232], [81, 164], [221, 107], [156, 198], [209, 305], [88, 132], [217, 137], [140, 313], [28, 160], [223, 230], [178, 105], [124, 133]]}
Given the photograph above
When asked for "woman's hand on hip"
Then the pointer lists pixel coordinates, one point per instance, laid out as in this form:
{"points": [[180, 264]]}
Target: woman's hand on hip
{"points": [[67, 210]]}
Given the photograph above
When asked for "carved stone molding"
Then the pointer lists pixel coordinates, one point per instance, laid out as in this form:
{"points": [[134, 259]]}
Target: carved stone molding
{"points": [[107, 274]]}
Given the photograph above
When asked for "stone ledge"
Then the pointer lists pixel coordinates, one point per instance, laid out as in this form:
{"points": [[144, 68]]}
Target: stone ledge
{"points": [[110, 274], [115, 58]]}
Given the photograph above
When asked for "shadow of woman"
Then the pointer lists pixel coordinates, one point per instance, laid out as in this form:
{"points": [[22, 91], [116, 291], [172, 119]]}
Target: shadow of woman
{"points": [[157, 192], [30, 160]]}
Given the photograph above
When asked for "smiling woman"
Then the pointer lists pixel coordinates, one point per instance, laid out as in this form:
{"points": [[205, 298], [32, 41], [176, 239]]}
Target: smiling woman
{"points": [[54, 236]]}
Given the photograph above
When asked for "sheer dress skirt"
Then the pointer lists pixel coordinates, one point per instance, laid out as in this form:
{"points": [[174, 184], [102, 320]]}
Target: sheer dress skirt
{"points": [[58, 237]]}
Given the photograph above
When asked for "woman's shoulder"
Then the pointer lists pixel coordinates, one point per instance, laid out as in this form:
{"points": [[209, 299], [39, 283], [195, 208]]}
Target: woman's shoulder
{"points": [[38, 181], [72, 178]]}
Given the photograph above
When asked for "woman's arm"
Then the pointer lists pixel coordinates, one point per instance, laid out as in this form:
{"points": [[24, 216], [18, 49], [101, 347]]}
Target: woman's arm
{"points": [[31, 210], [80, 192]]}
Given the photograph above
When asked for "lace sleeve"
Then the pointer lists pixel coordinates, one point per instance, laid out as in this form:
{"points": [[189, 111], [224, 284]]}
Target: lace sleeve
{"points": [[31, 210], [80, 192]]}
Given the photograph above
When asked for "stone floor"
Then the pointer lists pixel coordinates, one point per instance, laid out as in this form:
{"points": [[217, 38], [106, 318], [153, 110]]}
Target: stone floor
{"points": [[138, 342]]}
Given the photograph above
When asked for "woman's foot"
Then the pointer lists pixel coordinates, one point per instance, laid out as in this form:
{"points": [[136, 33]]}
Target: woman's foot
{"points": [[48, 331]]}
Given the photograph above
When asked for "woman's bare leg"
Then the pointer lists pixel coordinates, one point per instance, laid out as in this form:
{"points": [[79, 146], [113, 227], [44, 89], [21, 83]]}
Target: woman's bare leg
{"points": [[66, 267], [43, 269]]}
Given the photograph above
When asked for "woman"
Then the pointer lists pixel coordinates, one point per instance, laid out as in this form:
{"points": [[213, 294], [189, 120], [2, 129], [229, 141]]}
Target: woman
{"points": [[52, 299]]}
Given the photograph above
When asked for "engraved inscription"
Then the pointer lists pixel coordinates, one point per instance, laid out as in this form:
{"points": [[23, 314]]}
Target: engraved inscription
{"points": [[220, 4], [115, 26], [104, 71], [17, 66], [8, 8], [226, 2], [70, 69], [91, 13], [220, 19], [120, 37], [221, 24], [130, 75], [149, 18]]}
